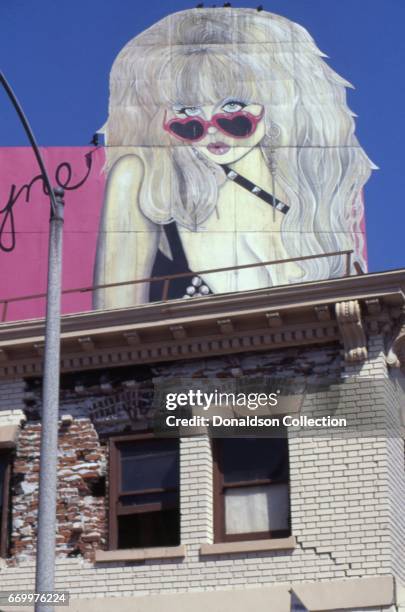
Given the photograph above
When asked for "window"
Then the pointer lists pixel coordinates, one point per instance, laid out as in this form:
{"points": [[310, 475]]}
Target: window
{"points": [[4, 501], [251, 486], [144, 492]]}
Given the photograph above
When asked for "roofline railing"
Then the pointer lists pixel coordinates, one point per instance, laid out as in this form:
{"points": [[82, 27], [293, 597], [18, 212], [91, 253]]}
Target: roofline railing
{"points": [[169, 277]]}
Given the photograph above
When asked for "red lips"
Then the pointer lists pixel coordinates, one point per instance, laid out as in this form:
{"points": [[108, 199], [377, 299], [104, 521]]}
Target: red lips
{"points": [[218, 148]]}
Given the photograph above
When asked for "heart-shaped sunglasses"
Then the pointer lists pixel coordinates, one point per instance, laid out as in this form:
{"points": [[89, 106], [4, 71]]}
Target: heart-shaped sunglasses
{"points": [[240, 124]]}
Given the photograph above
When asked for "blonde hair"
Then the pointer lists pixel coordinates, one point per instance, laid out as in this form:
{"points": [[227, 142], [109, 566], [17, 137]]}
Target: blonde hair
{"points": [[201, 56]]}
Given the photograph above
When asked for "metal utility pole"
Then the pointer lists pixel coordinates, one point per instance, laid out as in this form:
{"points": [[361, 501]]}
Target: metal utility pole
{"points": [[46, 539]]}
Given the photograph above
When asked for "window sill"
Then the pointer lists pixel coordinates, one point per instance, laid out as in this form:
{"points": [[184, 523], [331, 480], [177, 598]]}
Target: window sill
{"points": [[248, 546], [140, 554]]}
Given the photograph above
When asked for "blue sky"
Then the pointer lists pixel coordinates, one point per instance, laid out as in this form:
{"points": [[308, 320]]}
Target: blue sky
{"points": [[57, 55]]}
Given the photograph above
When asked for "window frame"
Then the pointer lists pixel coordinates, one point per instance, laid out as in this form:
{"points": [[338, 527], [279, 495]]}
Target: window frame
{"points": [[4, 514], [220, 487], [115, 509]]}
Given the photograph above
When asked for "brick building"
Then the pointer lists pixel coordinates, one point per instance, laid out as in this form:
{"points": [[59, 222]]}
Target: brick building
{"points": [[147, 523]]}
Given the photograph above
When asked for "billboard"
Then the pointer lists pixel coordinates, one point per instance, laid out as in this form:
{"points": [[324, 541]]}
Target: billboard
{"points": [[228, 144], [24, 226]]}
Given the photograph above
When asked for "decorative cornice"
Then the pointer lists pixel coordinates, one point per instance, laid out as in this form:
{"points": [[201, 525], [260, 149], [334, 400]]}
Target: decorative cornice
{"points": [[396, 345], [350, 323], [390, 286], [86, 344], [277, 317], [373, 306], [176, 348], [322, 312]]}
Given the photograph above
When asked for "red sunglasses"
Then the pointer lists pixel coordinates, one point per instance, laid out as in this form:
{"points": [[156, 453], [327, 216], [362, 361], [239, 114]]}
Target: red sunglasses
{"points": [[240, 124]]}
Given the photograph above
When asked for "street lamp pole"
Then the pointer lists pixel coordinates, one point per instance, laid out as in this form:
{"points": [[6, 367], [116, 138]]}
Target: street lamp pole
{"points": [[46, 538]]}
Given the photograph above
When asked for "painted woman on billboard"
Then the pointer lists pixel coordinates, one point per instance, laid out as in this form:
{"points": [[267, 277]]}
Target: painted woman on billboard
{"points": [[229, 142]]}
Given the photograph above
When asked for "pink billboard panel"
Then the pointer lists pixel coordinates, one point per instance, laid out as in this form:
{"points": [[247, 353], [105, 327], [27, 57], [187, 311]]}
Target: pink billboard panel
{"points": [[24, 226]]}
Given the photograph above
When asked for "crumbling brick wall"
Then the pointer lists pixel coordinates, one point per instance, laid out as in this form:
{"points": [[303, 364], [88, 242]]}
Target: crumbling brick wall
{"points": [[81, 502]]}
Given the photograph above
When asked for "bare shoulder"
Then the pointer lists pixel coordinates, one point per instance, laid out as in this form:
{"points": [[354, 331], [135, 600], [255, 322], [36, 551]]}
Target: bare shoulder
{"points": [[121, 201], [128, 168]]}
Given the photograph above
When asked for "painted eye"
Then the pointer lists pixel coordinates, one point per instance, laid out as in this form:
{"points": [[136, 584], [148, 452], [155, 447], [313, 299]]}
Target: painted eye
{"points": [[192, 111], [189, 111], [233, 106]]}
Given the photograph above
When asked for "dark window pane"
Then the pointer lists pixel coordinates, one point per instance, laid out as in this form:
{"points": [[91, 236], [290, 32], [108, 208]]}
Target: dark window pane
{"points": [[149, 464], [244, 459], [151, 529], [3, 465], [168, 500]]}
